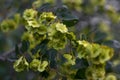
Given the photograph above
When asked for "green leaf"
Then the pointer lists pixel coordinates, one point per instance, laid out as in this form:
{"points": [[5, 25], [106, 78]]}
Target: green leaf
{"points": [[17, 49], [25, 46], [65, 15], [45, 74], [45, 7], [80, 74]]}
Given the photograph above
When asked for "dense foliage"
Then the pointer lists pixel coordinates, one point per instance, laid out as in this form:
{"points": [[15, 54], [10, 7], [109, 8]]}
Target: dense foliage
{"points": [[52, 46]]}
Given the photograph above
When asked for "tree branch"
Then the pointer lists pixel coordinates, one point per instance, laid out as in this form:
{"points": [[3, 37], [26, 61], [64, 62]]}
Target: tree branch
{"points": [[4, 56]]}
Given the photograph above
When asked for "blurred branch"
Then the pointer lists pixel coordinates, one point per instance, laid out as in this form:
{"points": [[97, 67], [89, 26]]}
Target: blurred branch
{"points": [[59, 3], [5, 55]]}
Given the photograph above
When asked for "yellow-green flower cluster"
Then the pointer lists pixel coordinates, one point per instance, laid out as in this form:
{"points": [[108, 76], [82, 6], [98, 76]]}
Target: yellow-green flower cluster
{"points": [[110, 77], [8, 25], [98, 54], [71, 36], [21, 64], [95, 72], [33, 23], [58, 43], [57, 36], [70, 59], [47, 17], [38, 65], [29, 14], [41, 26], [57, 28], [36, 26], [61, 27], [11, 24], [34, 39]]}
